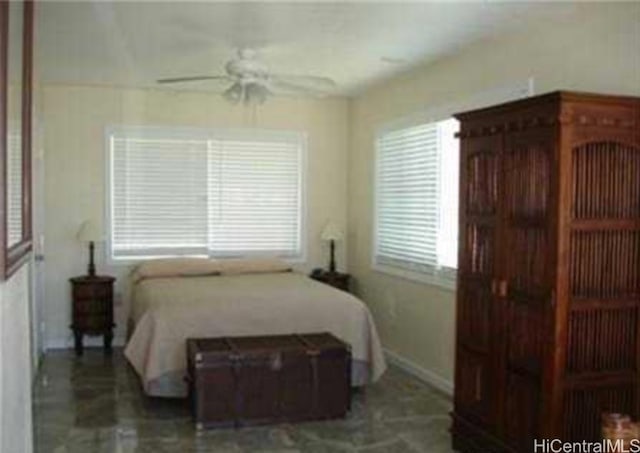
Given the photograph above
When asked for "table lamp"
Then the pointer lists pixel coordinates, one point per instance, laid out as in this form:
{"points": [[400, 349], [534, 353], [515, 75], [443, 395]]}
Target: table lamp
{"points": [[332, 233], [89, 232]]}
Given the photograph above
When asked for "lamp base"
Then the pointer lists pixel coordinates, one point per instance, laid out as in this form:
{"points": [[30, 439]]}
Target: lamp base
{"points": [[92, 267], [332, 261]]}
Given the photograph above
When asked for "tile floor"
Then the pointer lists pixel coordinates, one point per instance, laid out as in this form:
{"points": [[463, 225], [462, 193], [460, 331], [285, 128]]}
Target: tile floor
{"points": [[95, 404]]}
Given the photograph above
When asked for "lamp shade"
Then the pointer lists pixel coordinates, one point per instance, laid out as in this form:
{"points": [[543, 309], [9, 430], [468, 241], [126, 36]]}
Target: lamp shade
{"points": [[89, 232], [331, 232]]}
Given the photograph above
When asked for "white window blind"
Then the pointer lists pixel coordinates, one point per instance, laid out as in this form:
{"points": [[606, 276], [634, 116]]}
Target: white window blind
{"points": [[254, 197], [217, 193], [158, 196], [416, 198]]}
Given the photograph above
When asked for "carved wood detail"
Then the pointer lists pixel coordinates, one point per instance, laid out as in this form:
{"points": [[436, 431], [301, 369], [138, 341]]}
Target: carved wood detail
{"points": [[513, 117]]}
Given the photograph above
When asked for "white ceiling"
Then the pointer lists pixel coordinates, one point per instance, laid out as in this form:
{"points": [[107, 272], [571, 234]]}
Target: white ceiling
{"points": [[356, 44]]}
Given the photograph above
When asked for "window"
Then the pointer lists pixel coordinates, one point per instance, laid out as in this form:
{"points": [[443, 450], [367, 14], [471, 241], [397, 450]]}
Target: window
{"points": [[417, 200], [220, 193]]}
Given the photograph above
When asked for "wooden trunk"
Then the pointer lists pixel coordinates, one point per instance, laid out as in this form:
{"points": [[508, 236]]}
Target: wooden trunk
{"points": [[548, 303], [268, 379]]}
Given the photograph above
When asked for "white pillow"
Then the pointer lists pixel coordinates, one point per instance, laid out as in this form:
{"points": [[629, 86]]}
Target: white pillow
{"points": [[175, 267], [252, 266]]}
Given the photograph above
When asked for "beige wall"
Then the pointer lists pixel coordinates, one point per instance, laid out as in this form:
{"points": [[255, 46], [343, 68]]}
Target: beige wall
{"points": [[75, 118], [597, 49], [15, 364]]}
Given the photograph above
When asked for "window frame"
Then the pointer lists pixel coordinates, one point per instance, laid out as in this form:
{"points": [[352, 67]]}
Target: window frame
{"points": [[193, 133], [14, 255], [441, 277]]}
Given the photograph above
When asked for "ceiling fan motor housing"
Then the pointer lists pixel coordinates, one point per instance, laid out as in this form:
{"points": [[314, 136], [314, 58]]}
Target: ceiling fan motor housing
{"points": [[248, 71]]}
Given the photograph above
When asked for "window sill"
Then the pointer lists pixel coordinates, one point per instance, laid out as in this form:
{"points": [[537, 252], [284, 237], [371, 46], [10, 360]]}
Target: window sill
{"points": [[441, 281]]}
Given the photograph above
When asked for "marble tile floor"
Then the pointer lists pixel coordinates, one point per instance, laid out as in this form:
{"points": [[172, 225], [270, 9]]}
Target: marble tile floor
{"points": [[95, 404]]}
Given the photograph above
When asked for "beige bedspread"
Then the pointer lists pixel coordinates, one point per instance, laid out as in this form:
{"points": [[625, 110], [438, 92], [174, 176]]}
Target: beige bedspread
{"points": [[167, 311]]}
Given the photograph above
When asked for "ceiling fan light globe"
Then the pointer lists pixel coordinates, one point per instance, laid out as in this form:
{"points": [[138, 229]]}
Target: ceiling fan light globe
{"points": [[234, 94], [256, 93]]}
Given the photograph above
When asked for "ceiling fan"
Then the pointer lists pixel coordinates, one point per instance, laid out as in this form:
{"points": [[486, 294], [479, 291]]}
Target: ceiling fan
{"points": [[252, 82]]}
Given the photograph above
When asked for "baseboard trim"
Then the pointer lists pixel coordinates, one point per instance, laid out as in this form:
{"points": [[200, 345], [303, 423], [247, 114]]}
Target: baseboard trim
{"points": [[428, 376], [90, 342]]}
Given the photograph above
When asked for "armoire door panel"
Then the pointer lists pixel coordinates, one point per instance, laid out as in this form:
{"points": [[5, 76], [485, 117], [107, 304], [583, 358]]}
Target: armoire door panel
{"points": [[526, 334], [527, 174], [603, 330], [522, 410], [583, 407], [526, 214], [605, 212], [602, 339], [475, 314], [527, 260], [480, 162], [480, 157], [605, 264], [479, 256], [526, 305], [480, 171], [473, 400], [606, 181]]}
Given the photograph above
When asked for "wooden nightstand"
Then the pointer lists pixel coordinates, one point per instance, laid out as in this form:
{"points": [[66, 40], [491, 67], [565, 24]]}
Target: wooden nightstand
{"points": [[92, 309], [335, 279]]}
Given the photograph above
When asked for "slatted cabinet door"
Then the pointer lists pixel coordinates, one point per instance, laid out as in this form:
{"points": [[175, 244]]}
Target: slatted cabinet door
{"points": [[525, 287], [603, 335], [480, 171]]}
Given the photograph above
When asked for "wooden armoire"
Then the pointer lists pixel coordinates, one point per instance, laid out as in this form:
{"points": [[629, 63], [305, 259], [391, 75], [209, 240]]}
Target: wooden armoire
{"points": [[548, 303]]}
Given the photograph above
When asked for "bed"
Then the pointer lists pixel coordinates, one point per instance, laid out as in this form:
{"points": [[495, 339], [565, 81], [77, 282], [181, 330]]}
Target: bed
{"points": [[169, 307]]}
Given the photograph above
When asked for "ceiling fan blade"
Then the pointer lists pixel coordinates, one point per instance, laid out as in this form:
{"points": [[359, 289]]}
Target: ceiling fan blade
{"points": [[282, 87], [315, 82], [193, 79]]}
